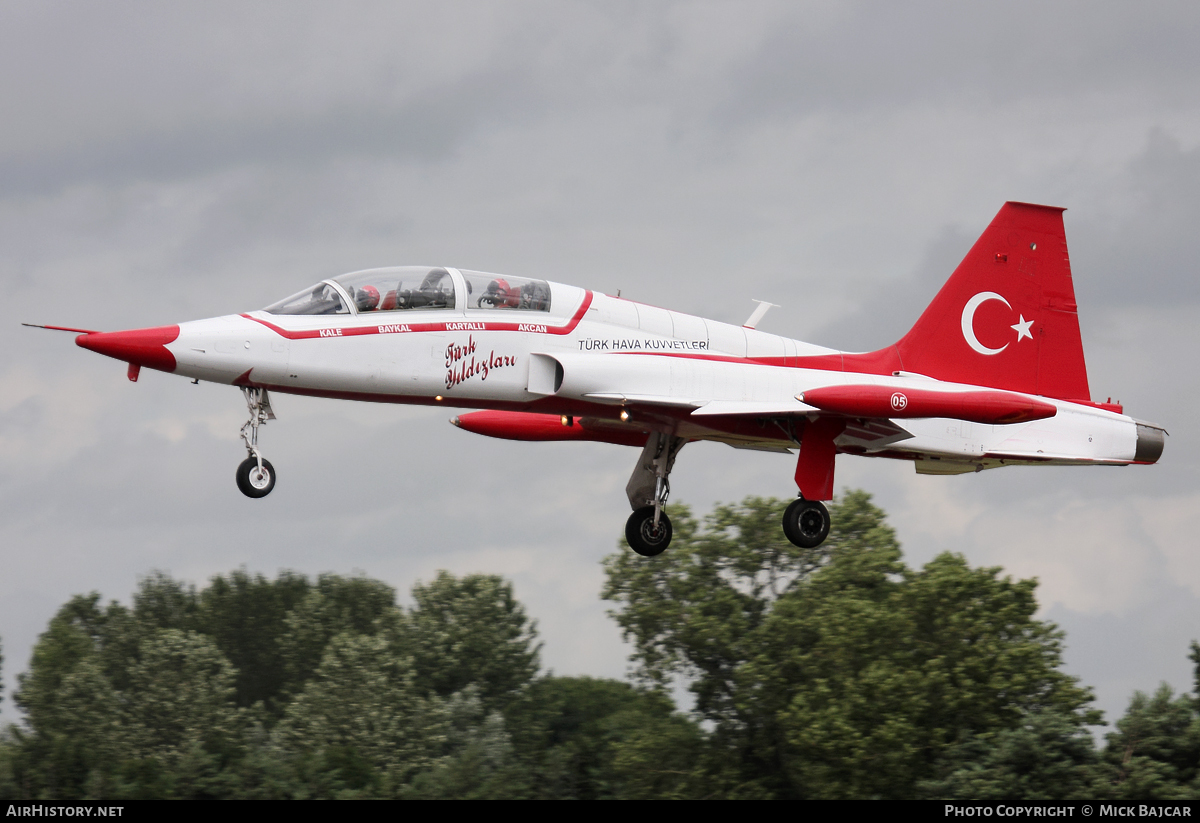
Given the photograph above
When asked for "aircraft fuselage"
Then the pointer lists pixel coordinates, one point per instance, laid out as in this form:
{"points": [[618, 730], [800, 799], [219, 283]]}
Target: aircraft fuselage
{"points": [[991, 374]]}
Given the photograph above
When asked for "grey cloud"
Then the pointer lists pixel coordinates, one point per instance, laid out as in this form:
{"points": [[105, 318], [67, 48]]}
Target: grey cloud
{"points": [[888, 308], [1151, 644], [1137, 250], [1148, 252], [870, 57], [429, 128]]}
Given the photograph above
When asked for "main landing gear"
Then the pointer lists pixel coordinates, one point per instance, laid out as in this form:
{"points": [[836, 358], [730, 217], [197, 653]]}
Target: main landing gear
{"points": [[806, 523], [806, 520], [648, 529], [255, 476]]}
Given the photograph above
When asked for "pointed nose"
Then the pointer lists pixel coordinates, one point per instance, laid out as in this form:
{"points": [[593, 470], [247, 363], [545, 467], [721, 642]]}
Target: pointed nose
{"points": [[145, 347]]}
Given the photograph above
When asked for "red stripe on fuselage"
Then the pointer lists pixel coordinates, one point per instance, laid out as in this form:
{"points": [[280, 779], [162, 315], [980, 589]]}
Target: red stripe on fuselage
{"points": [[400, 327]]}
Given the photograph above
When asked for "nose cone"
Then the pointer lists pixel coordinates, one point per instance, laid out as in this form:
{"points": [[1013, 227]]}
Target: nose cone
{"points": [[145, 347]]}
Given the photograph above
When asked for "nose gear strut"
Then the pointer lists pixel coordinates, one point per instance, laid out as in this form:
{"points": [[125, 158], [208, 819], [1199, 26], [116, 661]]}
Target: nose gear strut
{"points": [[255, 476]]}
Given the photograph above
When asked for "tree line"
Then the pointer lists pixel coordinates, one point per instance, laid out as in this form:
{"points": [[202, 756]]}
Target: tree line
{"points": [[836, 672]]}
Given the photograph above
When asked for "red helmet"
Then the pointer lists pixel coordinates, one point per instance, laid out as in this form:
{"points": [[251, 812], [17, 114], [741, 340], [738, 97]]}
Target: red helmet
{"points": [[367, 298], [503, 294]]}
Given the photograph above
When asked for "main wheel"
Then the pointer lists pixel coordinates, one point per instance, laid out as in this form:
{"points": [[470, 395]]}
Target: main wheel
{"points": [[255, 483], [806, 523], [642, 535]]}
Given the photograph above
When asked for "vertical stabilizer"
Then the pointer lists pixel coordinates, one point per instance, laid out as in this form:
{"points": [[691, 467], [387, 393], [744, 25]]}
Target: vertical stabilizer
{"points": [[1007, 316]]}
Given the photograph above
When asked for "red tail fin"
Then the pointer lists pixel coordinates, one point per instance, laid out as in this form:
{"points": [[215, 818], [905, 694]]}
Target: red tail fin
{"points": [[1007, 316]]}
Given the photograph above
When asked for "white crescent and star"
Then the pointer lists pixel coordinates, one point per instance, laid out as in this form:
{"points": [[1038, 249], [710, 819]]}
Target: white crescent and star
{"points": [[968, 323]]}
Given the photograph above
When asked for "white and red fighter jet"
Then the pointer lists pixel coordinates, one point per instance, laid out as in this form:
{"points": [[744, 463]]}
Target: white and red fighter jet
{"points": [[991, 375]]}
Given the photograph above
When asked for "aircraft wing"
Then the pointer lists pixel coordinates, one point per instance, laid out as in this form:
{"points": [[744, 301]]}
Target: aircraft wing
{"points": [[754, 408], [860, 434], [706, 408], [618, 399]]}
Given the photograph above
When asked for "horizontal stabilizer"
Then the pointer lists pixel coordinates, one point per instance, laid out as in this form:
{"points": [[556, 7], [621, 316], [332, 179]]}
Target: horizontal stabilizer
{"points": [[991, 407]]}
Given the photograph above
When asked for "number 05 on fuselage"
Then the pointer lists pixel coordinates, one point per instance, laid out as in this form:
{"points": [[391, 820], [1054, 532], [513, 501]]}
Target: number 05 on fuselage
{"points": [[992, 374]]}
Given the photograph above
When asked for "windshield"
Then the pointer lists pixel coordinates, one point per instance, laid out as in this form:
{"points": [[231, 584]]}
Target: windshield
{"points": [[498, 291], [319, 299], [398, 288]]}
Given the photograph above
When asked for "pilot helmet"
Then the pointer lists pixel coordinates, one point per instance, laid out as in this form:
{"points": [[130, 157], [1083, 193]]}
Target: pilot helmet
{"points": [[367, 298]]}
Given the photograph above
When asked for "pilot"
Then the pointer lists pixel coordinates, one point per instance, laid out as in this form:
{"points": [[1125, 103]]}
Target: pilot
{"points": [[500, 295], [366, 298]]}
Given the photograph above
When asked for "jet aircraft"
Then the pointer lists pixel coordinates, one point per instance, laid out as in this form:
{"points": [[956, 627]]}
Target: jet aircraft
{"points": [[992, 374]]}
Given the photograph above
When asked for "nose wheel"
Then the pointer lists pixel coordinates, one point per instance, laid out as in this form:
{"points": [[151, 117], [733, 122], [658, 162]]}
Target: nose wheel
{"points": [[806, 523], [255, 480], [255, 476]]}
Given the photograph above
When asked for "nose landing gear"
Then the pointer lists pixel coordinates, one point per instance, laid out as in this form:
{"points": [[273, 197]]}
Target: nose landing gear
{"points": [[255, 476]]}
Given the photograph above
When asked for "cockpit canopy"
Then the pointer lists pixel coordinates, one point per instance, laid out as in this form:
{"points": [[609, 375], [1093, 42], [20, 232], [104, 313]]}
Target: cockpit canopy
{"points": [[405, 288]]}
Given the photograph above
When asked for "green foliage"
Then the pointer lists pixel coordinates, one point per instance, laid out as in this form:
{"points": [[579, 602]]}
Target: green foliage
{"points": [[69, 703], [9, 790], [246, 617], [836, 672], [362, 713], [180, 697], [828, 673], [163, 603], [1194, 656], [472, 631], [476, 760], [1155, 751], [69, 640], [336, 605], [273, 689], [591, 739], [1049, 755]]}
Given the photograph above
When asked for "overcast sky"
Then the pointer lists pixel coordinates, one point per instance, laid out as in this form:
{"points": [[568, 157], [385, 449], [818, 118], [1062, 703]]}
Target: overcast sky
{"points": [[166, 162]]}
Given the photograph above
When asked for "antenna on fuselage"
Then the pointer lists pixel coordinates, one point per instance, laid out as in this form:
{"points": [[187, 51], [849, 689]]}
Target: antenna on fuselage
{"points": [[759, 313]]}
